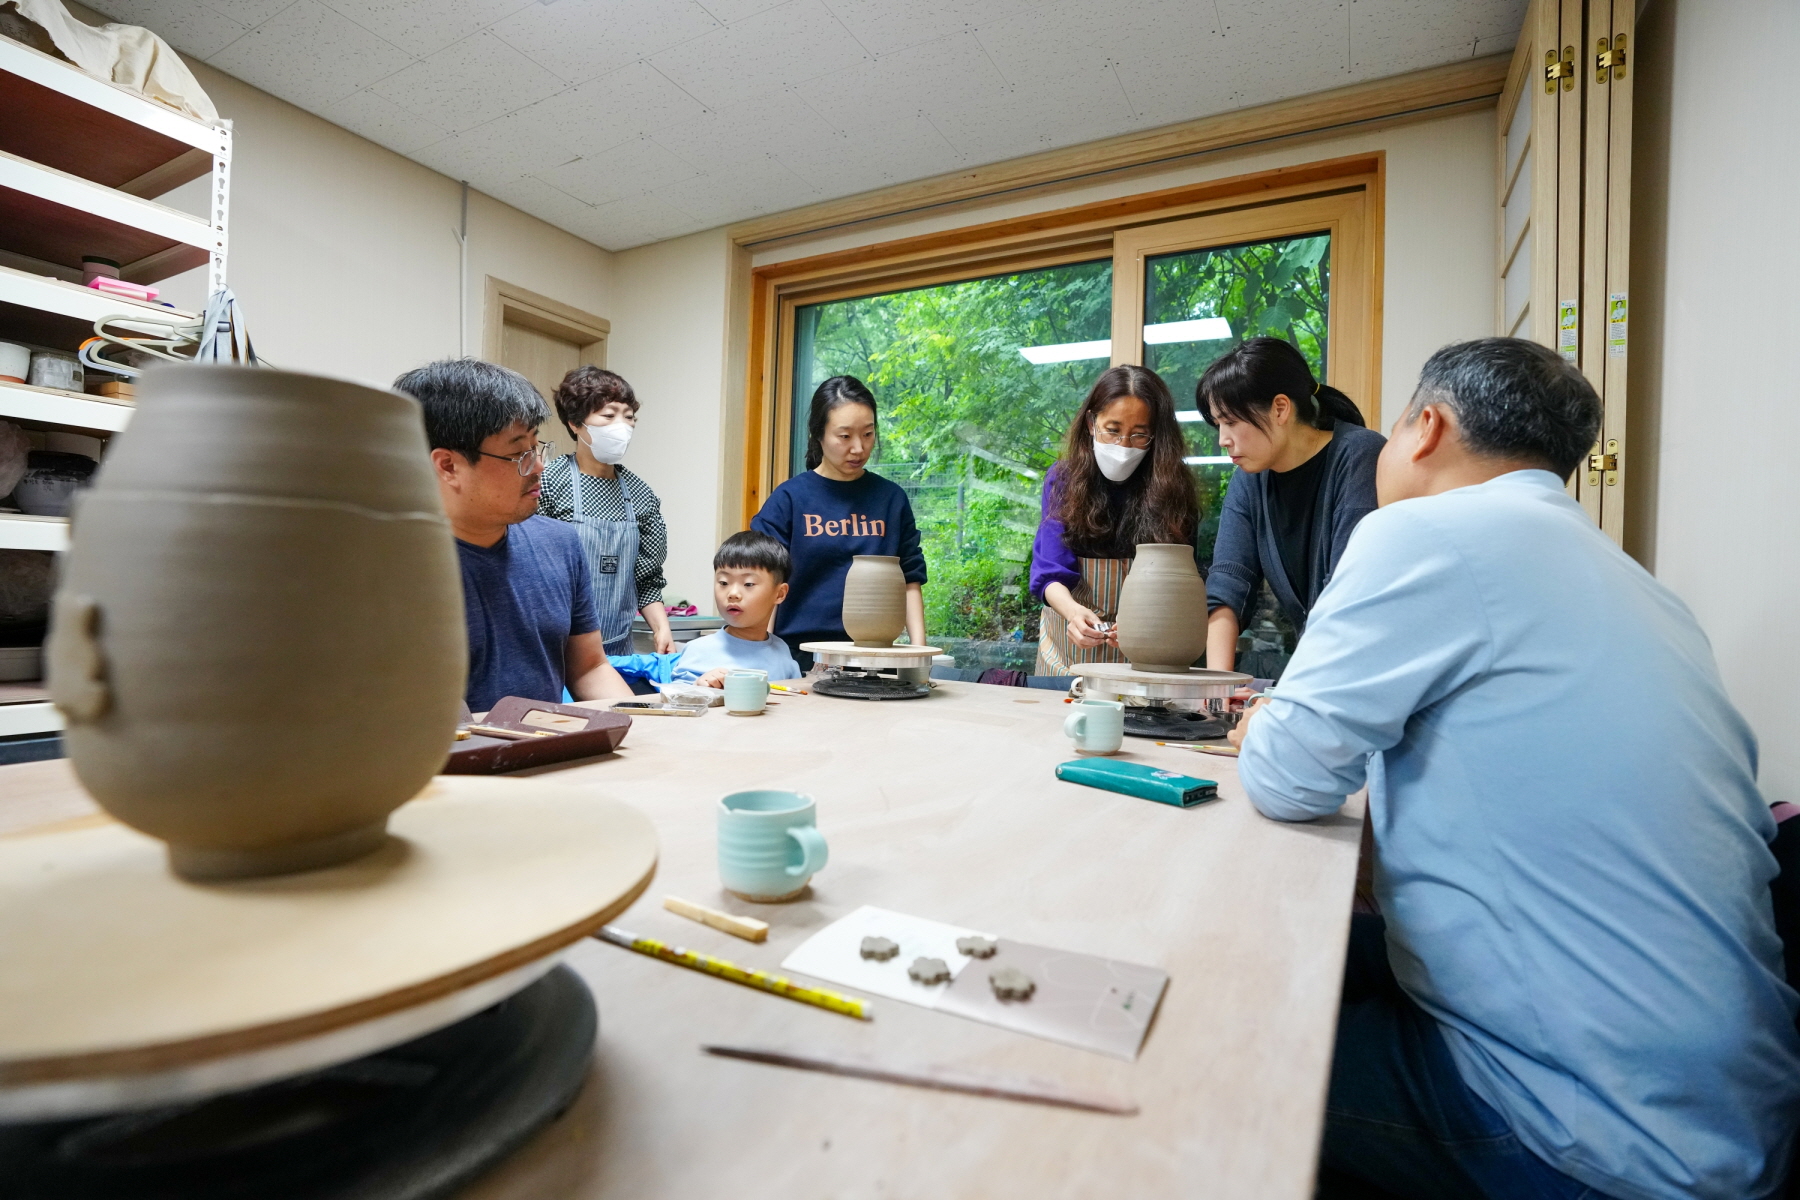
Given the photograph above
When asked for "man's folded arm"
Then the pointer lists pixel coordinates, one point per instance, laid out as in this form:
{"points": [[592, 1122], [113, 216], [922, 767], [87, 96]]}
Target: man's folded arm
{"points": [[1399, 627]]}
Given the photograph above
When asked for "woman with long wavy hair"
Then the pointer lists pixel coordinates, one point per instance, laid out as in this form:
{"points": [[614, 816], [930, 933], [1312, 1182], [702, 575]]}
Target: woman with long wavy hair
{"points": [[1120, 483]]}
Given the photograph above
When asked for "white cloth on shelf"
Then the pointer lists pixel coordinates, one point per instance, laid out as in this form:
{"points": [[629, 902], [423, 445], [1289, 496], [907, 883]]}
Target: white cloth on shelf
{"points": [[127, 55]]}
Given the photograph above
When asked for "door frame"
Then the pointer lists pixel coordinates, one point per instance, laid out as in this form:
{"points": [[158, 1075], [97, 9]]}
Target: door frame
{"points": [[522, 306]]}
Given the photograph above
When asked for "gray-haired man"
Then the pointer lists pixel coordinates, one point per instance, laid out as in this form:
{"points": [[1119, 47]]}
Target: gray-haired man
{"points": [[1580, 992]]}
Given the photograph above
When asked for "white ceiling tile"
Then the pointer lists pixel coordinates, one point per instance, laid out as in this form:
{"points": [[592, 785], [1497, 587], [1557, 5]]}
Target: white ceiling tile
{"points": [[743, 190], [426, 26], [532, 195], [310, 56], [500, 150], [885, 27], [736, 10], [623, 170], [196, 29], [1043, 45], [955, 71], [251, 12], [1387, 36], [784, 46], [633, 101], [439, 87], [1077, 108], [384, 122], [758, 128], [581, 40], [639, 219], [891, 152]]}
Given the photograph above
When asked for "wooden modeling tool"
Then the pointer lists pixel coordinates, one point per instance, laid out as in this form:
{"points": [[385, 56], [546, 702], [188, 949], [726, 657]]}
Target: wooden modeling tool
{"points": [[1225, 751], [510, 735], [748, 928], [946, 1079], [780, 986]]}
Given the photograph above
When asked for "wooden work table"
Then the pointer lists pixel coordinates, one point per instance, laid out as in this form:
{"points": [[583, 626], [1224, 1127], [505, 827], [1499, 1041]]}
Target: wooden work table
{"points": [[946, 808]]}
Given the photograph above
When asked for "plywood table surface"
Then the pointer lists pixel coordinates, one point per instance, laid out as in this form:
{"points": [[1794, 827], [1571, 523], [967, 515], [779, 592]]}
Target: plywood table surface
{"points": [[946, 808]]}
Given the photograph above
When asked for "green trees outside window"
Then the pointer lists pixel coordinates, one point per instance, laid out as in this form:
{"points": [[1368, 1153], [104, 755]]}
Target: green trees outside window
{"points": [[978, 380]]}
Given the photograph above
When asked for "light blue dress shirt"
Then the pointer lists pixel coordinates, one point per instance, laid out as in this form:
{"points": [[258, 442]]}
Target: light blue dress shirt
{"points": [[722, 649], [1571, 851]]}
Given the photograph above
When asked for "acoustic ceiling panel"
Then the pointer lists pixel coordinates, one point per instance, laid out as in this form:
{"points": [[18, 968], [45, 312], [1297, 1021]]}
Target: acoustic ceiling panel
{"points": [[628, 121]]}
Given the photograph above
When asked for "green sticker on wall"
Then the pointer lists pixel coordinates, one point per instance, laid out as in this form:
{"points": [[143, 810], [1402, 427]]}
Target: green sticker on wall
{"points": [[1568, 329], [1616, 309]]}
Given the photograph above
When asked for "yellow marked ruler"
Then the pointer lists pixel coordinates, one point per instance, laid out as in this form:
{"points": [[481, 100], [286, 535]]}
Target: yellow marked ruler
{"points": [[718, 967]]}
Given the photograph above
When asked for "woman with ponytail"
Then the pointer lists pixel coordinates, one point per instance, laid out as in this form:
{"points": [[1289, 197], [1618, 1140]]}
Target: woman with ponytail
{"points": [[1119, 484], [1305, 477], [835, 510]]}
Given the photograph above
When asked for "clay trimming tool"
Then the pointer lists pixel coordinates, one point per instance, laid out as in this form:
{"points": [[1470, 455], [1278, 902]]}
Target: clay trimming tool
{"points": [[947, 1079], [748, 928]]}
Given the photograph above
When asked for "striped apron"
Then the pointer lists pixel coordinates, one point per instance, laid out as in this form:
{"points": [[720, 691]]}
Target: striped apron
{"points": [[1101, 580]]}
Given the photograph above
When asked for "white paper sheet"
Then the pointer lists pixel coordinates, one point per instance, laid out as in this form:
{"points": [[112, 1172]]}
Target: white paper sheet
{"points": [[835, 954]]}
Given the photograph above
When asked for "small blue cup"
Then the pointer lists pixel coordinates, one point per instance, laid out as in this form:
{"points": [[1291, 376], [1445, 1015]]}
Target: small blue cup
{"points": [[770, 846]]}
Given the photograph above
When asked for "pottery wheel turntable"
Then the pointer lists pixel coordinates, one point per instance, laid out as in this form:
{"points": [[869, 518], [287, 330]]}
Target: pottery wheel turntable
{"points": [[854, 672], [1170, 706], [386, 1027]]}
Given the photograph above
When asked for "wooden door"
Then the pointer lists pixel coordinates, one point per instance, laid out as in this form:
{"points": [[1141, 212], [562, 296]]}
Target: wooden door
{"points": [[544, 359], [1564, 155], [543, 340]]}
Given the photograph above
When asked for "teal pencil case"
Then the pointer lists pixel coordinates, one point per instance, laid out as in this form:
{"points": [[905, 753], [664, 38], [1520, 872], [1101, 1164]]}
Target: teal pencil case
{"points": [[1136, 779]]}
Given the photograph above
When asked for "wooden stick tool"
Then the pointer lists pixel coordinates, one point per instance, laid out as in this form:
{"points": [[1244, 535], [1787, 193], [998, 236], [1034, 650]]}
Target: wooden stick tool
{"points": [[748, 928], [945, 1079]]}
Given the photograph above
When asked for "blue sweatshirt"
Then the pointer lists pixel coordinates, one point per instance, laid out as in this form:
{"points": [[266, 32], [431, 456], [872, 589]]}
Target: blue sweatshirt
{"points": [[825, 523]]}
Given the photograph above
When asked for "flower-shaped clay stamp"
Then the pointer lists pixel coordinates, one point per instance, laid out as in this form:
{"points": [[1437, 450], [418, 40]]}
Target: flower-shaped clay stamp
{"points": [[1010, 983], [977, 947], [929, 970], [879, 948]]}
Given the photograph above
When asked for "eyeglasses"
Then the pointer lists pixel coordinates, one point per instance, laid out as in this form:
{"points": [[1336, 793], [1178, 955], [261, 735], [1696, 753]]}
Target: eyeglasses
{"points": [[1137, 441], [531, 460]]}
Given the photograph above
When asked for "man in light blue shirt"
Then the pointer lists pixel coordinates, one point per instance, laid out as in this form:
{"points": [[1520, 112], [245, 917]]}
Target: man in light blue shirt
{"points": [[1580, 991]]}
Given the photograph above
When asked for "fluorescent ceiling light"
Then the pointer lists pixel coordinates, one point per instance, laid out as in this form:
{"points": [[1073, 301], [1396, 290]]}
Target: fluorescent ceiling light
{"points": [[1206, 329], [1188, 416], [1207, 461], [1067, 352]]}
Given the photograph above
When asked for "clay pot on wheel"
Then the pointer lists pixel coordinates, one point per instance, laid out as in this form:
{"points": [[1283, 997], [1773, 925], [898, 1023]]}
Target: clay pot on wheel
{"points": [[874, 600], [1162, 610], [258, 645]]}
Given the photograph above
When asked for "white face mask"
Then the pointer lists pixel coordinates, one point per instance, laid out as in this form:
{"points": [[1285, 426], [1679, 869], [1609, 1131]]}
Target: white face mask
{"points": [[607, 443], [1117, 462]]}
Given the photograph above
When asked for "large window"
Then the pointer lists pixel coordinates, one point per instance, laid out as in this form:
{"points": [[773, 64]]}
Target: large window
{"points": [[978, 372]]}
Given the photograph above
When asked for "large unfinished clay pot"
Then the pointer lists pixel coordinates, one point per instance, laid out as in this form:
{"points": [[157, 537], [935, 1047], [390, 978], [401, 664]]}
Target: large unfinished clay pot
{"points": [[874, 600], [258, 645], [1162, 610]]}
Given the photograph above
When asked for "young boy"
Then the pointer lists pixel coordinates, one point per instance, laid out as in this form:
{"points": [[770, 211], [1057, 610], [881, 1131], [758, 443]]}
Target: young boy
{"points": [[749, 579]]}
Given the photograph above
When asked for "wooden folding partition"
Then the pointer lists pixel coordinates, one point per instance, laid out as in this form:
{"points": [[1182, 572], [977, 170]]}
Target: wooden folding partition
{"points": [[1564, 157]]}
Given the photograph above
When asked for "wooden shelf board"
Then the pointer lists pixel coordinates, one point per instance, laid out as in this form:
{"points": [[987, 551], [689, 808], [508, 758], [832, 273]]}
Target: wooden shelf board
{"points": [[19, 531], [141, 117], [68, 410], [19, 720], [73, 136], [62, 233], [50, 312]]}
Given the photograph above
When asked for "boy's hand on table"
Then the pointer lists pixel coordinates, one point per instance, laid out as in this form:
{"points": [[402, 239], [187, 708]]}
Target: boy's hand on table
{"points": [[714, 678], [1236, 736]]}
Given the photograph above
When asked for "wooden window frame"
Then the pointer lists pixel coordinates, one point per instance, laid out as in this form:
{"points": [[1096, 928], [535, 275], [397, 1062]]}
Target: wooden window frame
{"points": [[1342, 195]]}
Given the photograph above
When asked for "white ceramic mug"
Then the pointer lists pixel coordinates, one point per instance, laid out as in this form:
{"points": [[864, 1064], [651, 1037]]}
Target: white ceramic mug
{"points": [[1096, 726]]}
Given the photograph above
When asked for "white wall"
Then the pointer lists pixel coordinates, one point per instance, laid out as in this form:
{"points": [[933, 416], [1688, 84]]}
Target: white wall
{"points": [[668, 340], [1715, 395], [343, 253]]}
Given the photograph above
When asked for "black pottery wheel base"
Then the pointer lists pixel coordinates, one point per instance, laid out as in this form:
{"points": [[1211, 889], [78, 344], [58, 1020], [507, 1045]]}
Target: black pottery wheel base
{"points": [[413, 1122], [1173, 725]]}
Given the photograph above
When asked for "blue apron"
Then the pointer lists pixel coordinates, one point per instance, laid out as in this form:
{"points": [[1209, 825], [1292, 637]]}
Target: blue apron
{"points": [[611, 548]]}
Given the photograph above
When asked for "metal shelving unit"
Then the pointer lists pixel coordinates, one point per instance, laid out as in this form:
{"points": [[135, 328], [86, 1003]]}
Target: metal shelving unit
{"points": [[82, 161]]}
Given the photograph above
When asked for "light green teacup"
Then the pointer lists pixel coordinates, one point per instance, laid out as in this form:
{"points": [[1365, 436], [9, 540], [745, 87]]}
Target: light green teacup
{"points": [[746, 692], [1096, 726], [769, 844]]}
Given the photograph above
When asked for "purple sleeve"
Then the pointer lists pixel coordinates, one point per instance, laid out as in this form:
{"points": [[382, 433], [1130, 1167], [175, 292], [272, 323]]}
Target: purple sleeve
{"points": [[1051, 559]]}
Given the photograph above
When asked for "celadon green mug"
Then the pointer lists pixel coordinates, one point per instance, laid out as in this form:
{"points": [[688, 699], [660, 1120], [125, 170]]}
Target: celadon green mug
{"points": [[770, 846], [746, 692], [1096, 726]]}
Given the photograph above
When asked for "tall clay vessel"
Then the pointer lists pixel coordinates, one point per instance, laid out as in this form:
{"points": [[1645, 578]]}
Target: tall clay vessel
{"points": [[258, 645], [874, 600], [1162, 609]]}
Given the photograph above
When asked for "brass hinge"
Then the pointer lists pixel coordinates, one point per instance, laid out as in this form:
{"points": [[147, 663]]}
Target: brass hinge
{"points": [[1613, 59], [1608, 462], [1563, 69]]}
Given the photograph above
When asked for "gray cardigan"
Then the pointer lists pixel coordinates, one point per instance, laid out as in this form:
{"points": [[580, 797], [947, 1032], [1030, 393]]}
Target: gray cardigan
{"points": [[1245, 553]]}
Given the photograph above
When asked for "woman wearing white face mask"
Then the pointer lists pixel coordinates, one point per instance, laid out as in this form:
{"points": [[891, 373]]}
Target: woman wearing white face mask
{"points": [[617, 514], [1119, 484]]}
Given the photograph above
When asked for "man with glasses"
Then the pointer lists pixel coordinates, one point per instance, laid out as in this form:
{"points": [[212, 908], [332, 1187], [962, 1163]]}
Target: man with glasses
{"points": [[526, 592]]}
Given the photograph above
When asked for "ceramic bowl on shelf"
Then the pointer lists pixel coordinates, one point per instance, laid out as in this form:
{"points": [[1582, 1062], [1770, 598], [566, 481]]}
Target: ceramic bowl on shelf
{"points": [[15, 362], [51, 481]]}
